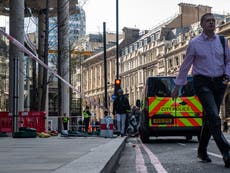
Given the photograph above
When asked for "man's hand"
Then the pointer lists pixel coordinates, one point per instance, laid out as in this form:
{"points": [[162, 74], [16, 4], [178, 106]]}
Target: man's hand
{"points": [[175, 91]]}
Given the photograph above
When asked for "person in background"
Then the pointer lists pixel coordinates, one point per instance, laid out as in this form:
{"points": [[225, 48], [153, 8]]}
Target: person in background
{"points": [[80, 124], [97, 125], [87, 114], [211, 71], [65, 121], [136, 111], [120, 108]]}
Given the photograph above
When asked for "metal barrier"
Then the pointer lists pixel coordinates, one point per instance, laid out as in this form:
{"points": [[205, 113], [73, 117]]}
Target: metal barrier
{"points": [[5, 122], [74, 125], [29, 119], [32, 119], [106, 127]]}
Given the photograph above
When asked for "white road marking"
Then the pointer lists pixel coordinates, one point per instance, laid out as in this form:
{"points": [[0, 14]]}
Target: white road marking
{"points": [[213, 154], [154, 160], [140, 162]]}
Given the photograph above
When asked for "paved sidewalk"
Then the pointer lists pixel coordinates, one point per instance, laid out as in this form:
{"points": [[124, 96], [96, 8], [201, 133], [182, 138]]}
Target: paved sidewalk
{"points": [[59, 154]]}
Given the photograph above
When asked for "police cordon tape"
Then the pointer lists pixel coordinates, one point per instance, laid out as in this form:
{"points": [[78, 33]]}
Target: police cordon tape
{"points": [[32, 56]]}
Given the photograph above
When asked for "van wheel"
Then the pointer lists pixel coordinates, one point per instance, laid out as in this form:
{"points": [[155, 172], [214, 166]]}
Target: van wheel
{"points": [[189, 138], [144, 136]]}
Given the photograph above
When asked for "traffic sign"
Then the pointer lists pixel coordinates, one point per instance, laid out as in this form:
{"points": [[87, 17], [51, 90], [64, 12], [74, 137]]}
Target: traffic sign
{"points": [[113, 97]]}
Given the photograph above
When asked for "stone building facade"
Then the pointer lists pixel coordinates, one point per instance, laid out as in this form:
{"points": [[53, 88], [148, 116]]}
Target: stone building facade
{"points": [[162, 50], [159, 51], [93, 74]]}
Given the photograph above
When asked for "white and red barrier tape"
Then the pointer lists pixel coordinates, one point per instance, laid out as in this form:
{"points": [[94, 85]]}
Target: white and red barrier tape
{"points": [[32, 56]]}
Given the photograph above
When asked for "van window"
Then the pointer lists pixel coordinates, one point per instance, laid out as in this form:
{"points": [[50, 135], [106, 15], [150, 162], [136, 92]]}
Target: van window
{"points": [[188, 90], [159, 87]]}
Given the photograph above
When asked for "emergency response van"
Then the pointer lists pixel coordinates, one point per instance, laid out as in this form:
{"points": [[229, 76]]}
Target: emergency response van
{"points": [[163, 116]]}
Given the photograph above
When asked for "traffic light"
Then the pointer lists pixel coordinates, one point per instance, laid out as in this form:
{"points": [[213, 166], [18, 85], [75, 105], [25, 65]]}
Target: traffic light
{"points": [[117, 86]]}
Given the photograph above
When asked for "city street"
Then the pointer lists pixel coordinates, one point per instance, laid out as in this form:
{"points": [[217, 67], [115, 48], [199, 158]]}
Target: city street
{"points": [[169, 154], [76, 76]]}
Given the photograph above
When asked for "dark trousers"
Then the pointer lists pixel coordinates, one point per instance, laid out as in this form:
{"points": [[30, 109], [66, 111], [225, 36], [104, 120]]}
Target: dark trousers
{"points": [[65, 126], [210, 92], [86, 123]]}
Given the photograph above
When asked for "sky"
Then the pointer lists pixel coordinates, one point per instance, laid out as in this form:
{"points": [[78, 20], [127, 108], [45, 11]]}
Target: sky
{"points": [[141, 14]]}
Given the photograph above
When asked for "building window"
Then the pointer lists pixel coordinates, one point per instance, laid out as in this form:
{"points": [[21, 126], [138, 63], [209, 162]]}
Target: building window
{"points": [[145, 41], [123, 52], [126, 51], [177, 60], [135, 46], [152, 38], [140, 77], [170, 63], [183, 57], [130, 65], [130, 48], [158, 35], [140, 43]]}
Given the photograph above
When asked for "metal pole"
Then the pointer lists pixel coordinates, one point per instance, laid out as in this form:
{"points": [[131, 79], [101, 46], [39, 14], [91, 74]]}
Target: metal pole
{"points": [[28, 84], [63, 56], [15, 96], [16, 66], [45, 72], [117, 39], [81, 84], [105, 64], [45, 94]]}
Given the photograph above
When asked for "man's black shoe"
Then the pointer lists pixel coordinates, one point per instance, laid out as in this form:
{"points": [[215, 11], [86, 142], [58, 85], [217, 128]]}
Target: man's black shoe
{"points": [[204, 157], [226, 158]]}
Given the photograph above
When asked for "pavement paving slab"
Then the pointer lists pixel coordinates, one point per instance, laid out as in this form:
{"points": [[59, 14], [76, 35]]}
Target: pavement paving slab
{"points": [[59, 154]]}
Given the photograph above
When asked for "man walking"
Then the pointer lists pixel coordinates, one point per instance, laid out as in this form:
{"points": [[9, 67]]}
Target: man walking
{"points": [[120, 108], [211, 71]]}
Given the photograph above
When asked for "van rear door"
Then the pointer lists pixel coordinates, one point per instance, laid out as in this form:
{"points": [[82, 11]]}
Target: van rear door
{"points": [[160, 103], [188, 109]]}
